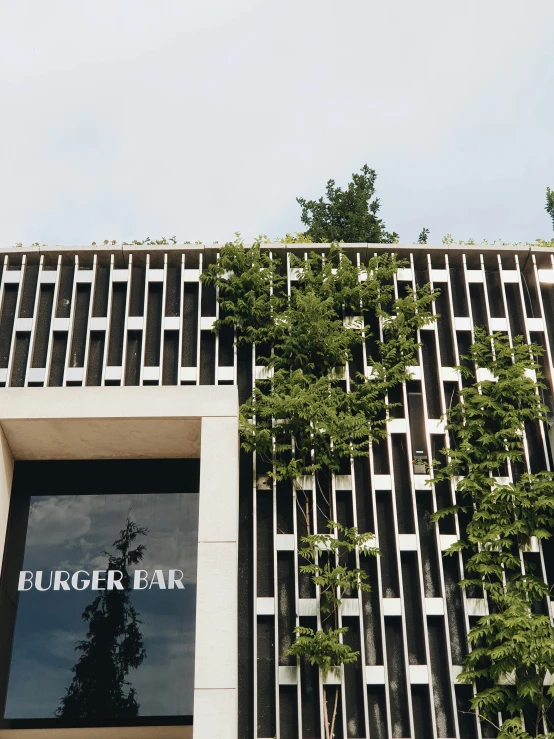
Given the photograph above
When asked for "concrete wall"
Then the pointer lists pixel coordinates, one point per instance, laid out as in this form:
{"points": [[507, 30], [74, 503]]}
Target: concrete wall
{"points": [[6, 475], [215, 691]]}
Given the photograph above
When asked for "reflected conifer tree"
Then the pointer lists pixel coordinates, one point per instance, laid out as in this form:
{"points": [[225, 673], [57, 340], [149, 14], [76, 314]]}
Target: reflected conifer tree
{"points": [[113, 644]]}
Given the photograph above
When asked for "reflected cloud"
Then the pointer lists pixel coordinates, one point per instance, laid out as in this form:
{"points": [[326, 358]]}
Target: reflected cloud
{"points": [[73, 532], [55, 520]]}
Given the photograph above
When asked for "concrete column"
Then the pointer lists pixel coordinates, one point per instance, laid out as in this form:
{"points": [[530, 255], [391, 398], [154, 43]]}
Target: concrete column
{"points": [[6, 476], [216, 657]]}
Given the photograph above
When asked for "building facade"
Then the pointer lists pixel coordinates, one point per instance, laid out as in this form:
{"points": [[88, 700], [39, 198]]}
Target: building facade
{"points": [[110, 378]]}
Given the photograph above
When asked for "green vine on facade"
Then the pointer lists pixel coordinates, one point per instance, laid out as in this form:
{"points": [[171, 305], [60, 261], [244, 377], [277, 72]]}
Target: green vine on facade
{"points": [[311, 413], [326, 555], [512, 648]]}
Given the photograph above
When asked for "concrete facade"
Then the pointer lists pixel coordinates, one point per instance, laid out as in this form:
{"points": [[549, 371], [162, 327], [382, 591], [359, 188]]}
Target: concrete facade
{"points": [[109, 351]]}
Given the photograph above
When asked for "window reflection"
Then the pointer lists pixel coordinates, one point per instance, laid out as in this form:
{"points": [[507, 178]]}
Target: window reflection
{"points": [[125, 648]]}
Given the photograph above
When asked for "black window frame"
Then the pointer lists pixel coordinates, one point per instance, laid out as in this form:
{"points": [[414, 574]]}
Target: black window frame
{"points": [[76, 477]]}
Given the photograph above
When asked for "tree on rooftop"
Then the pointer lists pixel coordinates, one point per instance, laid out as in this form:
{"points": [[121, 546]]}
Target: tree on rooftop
{"points": [[348, 215], [549, 207]]}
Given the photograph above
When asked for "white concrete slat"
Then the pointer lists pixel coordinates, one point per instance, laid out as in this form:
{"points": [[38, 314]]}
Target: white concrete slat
{"points": [[207, 323], [443, 375], [111, 374], [191, 275], [199, 319], [530, 324], [225, 374], [545, 276], [47, 277], [381, 482], [288, 675], [84, 276], [468, 295], [145, 321], [8, 279], [74, 374], [24, 325], [171, 323], [188, 374], [181, 288], [434, 606], [470, 310], [135, 323], [395, 606], [528, 340], [151, 374], [392, 606], [498, 324], [156, 275], [550, 370], [33, 322], [407, 542], [72, 312], [265, 607], [419, 675], [285, 542], [162, 318], [61, 324], [375, 674], [410, 542], [474, 276], [14, 277], [3, 370], [35, 375], [511, 275], [54, 320], [120, 275], [462, 323], [125, 321], [89, 318], [98, 323]]}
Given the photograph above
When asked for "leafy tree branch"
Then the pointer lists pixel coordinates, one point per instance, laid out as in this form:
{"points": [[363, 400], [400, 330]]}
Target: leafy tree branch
{"points": [[512, 648]]}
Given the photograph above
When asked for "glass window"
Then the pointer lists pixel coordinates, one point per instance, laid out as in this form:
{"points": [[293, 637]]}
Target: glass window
{"points": [[106, 603]]}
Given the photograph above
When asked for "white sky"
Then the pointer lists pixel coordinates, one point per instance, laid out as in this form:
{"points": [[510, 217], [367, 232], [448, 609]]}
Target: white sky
{"points": [[199, 118]]}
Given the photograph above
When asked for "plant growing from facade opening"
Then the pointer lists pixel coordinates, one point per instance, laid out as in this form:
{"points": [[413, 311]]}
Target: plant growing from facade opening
{"points": [[513, 646], [327, 555], [304, 419]]}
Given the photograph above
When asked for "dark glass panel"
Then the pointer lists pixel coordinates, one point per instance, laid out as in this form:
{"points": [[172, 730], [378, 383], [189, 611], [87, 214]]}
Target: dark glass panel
{"points": [[122, 650]]}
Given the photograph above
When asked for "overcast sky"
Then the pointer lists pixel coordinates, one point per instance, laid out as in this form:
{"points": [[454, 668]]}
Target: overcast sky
{"points": [[199, 118]]}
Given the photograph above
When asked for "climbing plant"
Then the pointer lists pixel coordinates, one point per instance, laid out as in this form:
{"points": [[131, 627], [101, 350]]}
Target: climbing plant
{"points": [[303, 418], [326, 555], [512, 648]]}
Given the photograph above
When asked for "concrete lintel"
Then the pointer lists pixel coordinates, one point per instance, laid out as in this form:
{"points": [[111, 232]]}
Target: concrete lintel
{"points": [[167, 401], [113, 422]]}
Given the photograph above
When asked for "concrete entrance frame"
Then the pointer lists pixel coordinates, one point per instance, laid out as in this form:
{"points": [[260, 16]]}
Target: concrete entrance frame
{"points": [[148, 423]]}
